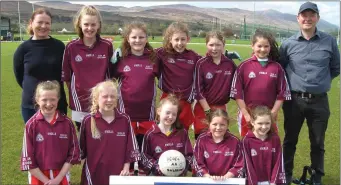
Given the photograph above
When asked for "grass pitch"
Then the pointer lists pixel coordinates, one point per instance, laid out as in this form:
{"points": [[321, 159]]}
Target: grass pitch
{"points": [[13, 126]]}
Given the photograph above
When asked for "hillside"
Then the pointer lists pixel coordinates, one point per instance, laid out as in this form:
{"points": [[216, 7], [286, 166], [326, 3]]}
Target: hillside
{"points": [[63, 13]]}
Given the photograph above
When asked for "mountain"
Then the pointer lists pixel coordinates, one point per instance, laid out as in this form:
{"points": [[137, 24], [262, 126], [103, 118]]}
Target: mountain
{"points": [[206, 17]]}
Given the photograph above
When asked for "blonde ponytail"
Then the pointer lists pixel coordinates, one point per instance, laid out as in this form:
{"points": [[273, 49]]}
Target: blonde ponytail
{"points": [[95, 91], [93, 110]]}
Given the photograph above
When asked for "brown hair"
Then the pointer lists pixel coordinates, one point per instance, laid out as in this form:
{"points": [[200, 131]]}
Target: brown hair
{"points": [[261, 111], [95, 91], [126, 46], [215, 34], [218, 113], [38, 11], [171, 98], [168, 34], [274, 53], [47, 86], [86, 10]]}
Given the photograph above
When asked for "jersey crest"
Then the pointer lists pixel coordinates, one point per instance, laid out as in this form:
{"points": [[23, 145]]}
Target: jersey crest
{"points": [[206, 155], [39, 138], [126, 68], [158, 149], [253, 152], [252, 75], [78, 58], [171, 60], [209, 75]]}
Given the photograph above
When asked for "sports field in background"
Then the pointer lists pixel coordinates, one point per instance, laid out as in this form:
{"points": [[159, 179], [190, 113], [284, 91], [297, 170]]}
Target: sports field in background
{"points": [[13, 126]]}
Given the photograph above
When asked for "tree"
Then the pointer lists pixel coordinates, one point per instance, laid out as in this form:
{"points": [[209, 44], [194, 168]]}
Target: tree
{"points": [[228, 32]]}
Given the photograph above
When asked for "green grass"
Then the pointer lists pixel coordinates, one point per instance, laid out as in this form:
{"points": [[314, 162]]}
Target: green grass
{"points": [[13, 126]]}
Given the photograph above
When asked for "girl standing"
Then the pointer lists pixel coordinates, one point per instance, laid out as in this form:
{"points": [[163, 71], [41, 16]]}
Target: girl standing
{"points": [[177, 69], [167, 134], [214, 70], [262, 150], [38, 59], [218, 153], [107, 139], [136, 72], [260, 80], [86, 61], [50, 145]]}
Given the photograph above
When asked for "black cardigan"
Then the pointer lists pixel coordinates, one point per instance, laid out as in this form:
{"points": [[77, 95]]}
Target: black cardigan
{"points": [[35, 61]]}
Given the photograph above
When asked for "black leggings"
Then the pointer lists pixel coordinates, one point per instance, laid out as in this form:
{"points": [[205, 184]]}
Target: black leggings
{"points": [[78, 124]]}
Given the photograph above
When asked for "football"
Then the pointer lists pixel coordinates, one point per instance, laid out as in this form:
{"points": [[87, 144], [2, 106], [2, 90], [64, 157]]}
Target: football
{"points": [[172, 163]]}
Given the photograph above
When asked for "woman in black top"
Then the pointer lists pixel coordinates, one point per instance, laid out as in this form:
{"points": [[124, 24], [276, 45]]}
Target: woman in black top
{"points": [[38, 59]]}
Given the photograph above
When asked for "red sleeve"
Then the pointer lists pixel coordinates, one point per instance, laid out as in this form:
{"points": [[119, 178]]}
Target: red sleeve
{"points": [[147, 160], [74, 150], [238, 161], [277, 172], [132, 151], [199, 161], [27, 156], [82, 138], [66, 68], [283, 90], [251, 175], [237, 90], [199, 80]]}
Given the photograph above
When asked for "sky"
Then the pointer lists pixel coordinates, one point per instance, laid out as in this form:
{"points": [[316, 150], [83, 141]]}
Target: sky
{"points": [[329, 10]]}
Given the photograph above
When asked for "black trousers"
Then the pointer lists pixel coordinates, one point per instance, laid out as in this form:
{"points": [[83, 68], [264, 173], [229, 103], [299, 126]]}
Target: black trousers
{"points": [[316, 111]]}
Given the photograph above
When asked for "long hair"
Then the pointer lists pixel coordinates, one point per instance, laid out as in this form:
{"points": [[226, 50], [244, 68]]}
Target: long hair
{"points": [[86, 10], [274, 53], [37, 12], [94, 96], [260, 110], [171, 98], [175, 27], [126, 46]]}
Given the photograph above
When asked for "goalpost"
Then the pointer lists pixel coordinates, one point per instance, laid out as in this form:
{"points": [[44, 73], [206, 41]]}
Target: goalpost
{"points": [[20, 25]]}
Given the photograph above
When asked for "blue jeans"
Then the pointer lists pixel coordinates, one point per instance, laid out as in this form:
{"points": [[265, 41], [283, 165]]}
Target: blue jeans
{"points": [[27, 113]]}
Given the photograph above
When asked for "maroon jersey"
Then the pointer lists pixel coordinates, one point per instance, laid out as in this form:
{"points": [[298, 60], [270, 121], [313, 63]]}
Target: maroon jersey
{"points": [[258, 85], [177, 73], [212, 81], [137, 89], [218, 158], [84, 67], [155, 143], [106, 156], [263, 159], [47, 146]]}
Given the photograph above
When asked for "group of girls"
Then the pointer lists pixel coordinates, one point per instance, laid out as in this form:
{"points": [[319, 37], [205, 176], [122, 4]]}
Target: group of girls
{"points": [[120, 125]]}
